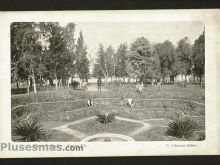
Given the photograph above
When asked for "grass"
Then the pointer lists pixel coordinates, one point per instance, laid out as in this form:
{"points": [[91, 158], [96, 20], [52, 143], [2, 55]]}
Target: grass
{"points": [[140, 110], [159, 134], [64, 107], [57, 136], [192, 92], [116, 126]]}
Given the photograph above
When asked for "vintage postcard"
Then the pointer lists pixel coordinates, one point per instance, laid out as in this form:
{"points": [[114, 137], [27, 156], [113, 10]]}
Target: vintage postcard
{"points": [[109, 83]]}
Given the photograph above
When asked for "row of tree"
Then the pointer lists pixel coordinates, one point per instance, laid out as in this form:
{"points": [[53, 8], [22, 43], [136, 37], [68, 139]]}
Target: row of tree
{"points": [[46, 51], [144, 61]]}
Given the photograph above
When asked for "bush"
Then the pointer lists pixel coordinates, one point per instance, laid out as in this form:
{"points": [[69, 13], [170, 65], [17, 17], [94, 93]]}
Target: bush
{"points": [[75, 84], [105, 118], [201, 136], [30, 131], [192, 106], [19, 91], [182, 128]]}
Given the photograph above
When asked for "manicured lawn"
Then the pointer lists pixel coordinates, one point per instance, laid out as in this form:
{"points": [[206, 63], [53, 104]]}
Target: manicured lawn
{"points": [[191, 92], [57, 136], [92, 127], [56, 107], [159, 134]]}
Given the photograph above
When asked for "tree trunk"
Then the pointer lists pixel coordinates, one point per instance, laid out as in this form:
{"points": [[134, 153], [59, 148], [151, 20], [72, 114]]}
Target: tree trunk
{"points": [[41, 84], [56, 83], [61, 82], [200, 81], [182, 81], [31, 83], [17, 84], [105, 75], [106, 78], [35, 89], [28, 86]]}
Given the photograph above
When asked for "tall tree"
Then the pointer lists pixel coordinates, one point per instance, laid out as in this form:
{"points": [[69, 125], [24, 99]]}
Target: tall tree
{"points": [[141, 58], [31, 48], [166, 53], [199, 56], [184, 57], [18, 30], [69, 36], [58, 56], [100, 68], [111, 61], [82, 61], [122, 58]]}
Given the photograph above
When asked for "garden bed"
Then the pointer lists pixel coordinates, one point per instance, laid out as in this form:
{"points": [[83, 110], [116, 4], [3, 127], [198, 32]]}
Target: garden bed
{"points": [[92, 127]]}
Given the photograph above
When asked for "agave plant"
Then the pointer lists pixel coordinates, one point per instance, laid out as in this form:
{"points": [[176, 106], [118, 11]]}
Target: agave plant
{"points": [[30, 131], [105, 118], [182, 128]]}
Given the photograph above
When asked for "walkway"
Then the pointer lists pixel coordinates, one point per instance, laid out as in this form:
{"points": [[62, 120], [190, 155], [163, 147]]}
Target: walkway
{"points": [[64, 128]]}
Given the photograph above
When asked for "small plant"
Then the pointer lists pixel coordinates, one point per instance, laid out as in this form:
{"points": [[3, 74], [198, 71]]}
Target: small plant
{"points": [[105, 118], [191, 105], [182, 128], [30, 131], [165, 107], [201, 137], [75, 84]]}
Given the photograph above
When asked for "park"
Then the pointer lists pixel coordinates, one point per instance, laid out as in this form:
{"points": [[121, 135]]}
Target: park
{"points": [[138, 92]]}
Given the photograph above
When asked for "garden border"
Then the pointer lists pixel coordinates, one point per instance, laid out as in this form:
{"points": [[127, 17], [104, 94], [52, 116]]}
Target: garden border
{"points": [[49, 102]]}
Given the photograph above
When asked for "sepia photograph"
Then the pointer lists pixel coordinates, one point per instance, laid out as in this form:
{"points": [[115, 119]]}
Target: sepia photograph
{"points": [[107, 81]]}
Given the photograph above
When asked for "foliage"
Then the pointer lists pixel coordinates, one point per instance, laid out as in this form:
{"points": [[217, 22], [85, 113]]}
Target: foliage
{"points": [[182, 128], [121, 59], [105, 65], [165, 52], [201, 136], [105, 118], [111, 61], [82, 62], [41, 51], [99, 66], [30, 131], [75, 84], [198, 57], [184, 57], [192, 105], [141, 58], [18, 31]]}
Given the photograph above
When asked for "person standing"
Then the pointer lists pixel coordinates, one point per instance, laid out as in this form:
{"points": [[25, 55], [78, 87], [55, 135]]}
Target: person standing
{"points": [[99, 83]]}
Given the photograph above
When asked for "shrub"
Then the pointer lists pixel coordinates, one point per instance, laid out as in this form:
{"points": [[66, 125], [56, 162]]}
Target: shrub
{"points": [[18, 113], [75, 84], [182, 128], [19, 91], [165, 107], [30, 131], [191, 106], [105, 118], [200, 136]]}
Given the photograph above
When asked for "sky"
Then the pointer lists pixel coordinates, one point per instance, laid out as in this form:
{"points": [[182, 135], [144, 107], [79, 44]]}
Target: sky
{"points": [[115, 33]]}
